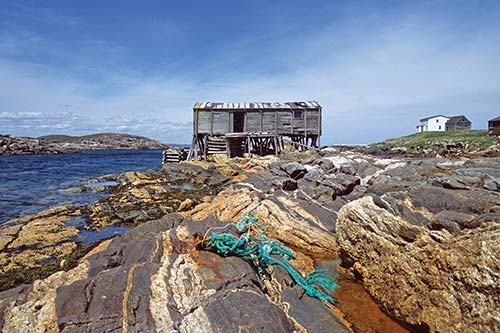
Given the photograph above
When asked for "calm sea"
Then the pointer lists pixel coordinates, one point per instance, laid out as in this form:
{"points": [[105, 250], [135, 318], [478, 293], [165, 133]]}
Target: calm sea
{"points": [[32, 183]]}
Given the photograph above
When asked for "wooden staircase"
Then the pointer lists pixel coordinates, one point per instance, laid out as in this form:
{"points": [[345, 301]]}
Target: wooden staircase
{"points": [[172, 155], [216, 145]]}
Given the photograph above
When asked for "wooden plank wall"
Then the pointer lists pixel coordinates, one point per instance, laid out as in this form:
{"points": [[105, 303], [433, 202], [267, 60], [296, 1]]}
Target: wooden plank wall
{"points": [[284, 121], [253, 121], [268, 121], [213, 122], [204, 122], [221, 122], [313, 122]]}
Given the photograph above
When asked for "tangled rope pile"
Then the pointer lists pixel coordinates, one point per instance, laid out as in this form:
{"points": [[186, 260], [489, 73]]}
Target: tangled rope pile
{"points": [[264, 252]]}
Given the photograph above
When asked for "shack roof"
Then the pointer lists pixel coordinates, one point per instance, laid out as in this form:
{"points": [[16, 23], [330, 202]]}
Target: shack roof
{"points": [[438, 115], [495, 119], [457, 119], [256, 105]]}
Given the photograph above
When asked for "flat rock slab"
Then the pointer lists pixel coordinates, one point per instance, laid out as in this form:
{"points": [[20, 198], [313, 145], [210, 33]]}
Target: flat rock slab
{"points": [[154, 279]]}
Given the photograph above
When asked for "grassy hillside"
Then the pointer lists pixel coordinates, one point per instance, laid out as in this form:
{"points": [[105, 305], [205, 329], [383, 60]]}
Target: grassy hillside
{"points": [[478, 139]]}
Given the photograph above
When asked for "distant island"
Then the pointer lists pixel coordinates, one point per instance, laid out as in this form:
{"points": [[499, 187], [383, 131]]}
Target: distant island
{"points": [[60, 144]]}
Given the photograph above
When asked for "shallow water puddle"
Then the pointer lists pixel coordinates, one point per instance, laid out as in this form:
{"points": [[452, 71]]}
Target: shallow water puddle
{"points": [[90, 236], [363, 312], [87, 236], [76, 222], [183, 187], [358, 307], [107, 183]]}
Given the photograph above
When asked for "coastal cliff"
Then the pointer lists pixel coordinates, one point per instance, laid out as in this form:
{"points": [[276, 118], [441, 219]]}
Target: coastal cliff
{"points": [[59, 144], [420, 235]]}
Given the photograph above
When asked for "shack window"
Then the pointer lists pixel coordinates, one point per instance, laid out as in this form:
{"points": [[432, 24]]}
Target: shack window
{"points": [[297, 114], [216, 115]]}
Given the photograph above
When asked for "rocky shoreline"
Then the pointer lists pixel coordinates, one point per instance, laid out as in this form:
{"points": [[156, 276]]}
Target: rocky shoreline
{"points": [[454, 144], [420, 235], [450, 150], [12, 145]]}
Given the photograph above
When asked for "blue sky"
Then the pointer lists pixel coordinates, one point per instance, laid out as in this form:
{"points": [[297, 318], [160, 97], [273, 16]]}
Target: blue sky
{"points": [[79, 67]]}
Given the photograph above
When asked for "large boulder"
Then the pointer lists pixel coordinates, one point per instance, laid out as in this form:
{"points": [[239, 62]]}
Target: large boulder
{"points": [[341, 184], [295, 170], [431, 278]]}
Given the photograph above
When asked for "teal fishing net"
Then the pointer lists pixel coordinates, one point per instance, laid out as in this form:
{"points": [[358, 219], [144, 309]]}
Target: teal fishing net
{"points": [[264, 252]]}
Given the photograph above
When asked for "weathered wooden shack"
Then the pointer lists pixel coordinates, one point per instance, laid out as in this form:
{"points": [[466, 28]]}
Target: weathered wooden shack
{"points": [[494, 126], [458, 123], [260, 128]]}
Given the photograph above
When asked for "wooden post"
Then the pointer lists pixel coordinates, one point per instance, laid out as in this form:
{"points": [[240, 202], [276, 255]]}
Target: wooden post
{"points": [[276, 121], [212, 122], [261, 122], [291, 121], [192, 149], [305, 125], [249, 148], [275, 145], [195, 121], [205, 149], [320, 109]]}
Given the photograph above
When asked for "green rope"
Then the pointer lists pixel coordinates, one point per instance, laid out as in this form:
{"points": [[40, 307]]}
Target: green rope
{"points": [[264, 252]]}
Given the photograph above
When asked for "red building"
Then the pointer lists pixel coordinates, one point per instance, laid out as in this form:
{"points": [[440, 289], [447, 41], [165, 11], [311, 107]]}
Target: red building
{"points": [[494, 126]]}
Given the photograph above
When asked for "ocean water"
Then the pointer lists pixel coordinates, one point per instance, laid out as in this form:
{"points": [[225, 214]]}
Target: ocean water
{"points": [[32, 183]]}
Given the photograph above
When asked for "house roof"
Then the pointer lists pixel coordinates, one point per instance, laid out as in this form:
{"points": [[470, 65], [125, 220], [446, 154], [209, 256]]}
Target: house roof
{"points": [[456, 119], [439, 115], [495, 119], [257, 105]]}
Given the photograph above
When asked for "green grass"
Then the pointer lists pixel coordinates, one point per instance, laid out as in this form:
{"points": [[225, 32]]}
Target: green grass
{"points": [[478, 138]]}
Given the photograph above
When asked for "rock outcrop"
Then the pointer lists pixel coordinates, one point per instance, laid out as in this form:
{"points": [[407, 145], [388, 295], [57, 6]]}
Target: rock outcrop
{"points": [[154, 279], [420, 235], [104, 141], [12, 145], [428, 251], [35, 246]]}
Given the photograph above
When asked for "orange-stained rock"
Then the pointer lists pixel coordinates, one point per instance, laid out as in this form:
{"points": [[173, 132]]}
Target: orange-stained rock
{"points": [[424, 277]]}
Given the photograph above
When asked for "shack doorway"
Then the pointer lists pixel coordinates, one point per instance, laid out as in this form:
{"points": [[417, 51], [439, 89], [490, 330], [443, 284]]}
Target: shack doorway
{"points": [[238, 122]]}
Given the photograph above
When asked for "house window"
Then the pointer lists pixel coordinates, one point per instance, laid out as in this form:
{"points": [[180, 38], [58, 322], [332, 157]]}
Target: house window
{"points": [[439, 126], [297, 114], [437, 121]]}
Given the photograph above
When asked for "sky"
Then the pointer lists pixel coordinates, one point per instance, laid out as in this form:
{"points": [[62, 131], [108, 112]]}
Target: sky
{"points": [[138, 67]]}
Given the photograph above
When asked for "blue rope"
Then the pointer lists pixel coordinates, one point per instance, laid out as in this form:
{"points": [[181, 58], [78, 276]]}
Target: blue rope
{"points": [[264, 252]]}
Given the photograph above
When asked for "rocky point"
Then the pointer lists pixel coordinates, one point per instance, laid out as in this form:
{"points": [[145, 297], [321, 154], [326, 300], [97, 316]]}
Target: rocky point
{"points": [[419, 235]]}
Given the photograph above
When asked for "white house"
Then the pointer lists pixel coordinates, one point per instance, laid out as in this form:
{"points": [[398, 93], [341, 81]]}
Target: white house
{"points": [[434, 123]]}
